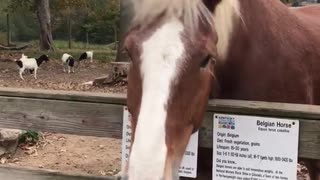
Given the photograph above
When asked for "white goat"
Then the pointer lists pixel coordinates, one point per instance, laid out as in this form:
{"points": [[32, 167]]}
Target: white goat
{"points": [[67, 60], [23, 56], [86, 55], [31, 64]]}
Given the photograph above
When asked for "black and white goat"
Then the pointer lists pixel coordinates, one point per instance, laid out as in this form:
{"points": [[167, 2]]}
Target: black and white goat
{"points": [[23, 56], [86, 55], [67, 60], [31, 64]]}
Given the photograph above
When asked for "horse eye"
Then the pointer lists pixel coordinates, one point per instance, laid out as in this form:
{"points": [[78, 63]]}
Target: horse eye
{"points": [[205, 61]]}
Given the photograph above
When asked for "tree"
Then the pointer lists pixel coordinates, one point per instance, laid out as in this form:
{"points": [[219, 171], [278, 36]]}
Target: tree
{"points": [[68, 8], [8, 30], [126, 14], [94, 21], [42, 10], [43, 14]]}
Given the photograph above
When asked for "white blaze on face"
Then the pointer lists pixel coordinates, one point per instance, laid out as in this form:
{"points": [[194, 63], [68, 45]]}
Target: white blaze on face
{"points": [[161, 55]]}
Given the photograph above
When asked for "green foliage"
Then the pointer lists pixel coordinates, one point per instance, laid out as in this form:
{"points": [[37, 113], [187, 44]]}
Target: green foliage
{"points": [[3, 13], [29, 137], [97, 18], [24, 28], [26, 4], [23, 22], [3, 38], [103, 53], [60, 44]]}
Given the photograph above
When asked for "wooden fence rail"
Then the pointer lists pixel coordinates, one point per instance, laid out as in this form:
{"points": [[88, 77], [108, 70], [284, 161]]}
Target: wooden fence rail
{"points": [[14, 173], [100, 114]]}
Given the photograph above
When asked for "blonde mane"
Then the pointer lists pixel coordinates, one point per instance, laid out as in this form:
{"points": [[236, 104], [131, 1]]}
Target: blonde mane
{"points": [[191, 11]]}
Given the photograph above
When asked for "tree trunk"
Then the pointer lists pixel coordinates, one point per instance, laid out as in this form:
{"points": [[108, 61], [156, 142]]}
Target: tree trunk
{"points": [[125, 18], [8, 31], [43, 14], [70, 32], [118, 72], [115, 39], [87, 37]]}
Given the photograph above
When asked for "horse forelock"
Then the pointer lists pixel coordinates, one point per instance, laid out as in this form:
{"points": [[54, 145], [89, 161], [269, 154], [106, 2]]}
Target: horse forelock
{"points": [[226, 14], [189, 11], [221, 17]]}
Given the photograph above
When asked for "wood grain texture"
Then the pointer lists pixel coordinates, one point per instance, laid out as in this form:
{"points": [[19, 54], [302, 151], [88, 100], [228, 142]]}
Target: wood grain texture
{"points": [[15, 173], [217, 105], [64, 95], [70, 117], [99, 114], [300, 111]]}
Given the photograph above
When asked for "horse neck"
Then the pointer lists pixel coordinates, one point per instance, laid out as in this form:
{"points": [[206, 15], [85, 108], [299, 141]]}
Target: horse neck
{"points": [[265, 32], [264, 25]]}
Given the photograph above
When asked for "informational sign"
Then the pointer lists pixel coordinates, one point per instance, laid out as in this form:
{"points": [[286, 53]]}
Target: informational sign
{"points": [[254, 148], [188, 167]]}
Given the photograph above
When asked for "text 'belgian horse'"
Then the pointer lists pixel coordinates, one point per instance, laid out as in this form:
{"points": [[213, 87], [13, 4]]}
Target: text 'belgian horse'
{"points": [[183, 51]]}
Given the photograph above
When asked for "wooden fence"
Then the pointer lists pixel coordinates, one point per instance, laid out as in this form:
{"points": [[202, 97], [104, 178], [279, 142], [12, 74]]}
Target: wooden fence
{"points": [[100, 115]]}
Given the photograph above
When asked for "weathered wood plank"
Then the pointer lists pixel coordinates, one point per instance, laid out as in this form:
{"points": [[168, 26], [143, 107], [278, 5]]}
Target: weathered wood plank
{"points": [[70, 117], [15, 173], [301, 111], [217, 105], [99, 114], [64, 95]]}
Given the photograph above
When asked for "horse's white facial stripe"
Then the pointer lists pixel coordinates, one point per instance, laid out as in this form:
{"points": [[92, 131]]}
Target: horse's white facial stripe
{"points": [[160, 59], [224, 16]]}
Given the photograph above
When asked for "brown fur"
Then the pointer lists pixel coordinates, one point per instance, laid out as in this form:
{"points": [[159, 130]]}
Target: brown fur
{"points": [[179, 125], [269, 63], [273, 56]]}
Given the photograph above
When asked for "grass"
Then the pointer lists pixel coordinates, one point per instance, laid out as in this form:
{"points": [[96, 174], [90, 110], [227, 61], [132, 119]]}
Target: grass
{"points": [[105, 53], [101, 52], [3, 37], [105, 56], [29, 137], [59, 44]]}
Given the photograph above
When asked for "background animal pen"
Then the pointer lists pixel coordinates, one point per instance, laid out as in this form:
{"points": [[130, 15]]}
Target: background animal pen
{"points": [[100, 114], [76, 26]]}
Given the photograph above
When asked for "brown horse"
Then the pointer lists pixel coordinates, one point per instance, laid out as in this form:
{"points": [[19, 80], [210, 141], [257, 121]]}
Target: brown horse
{"points": [[183, 51]]}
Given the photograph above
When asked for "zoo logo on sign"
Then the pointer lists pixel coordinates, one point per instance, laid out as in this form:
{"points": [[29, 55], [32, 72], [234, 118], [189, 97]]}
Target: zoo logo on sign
{"points": [[226, 122]]}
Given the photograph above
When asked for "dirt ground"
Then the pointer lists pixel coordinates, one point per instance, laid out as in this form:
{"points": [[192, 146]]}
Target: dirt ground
{"points": [[51, 76], [69, 153]]}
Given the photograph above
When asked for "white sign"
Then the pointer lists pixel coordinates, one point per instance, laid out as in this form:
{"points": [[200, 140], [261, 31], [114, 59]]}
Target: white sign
{"points": [[254, 148], [188, 167]]}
